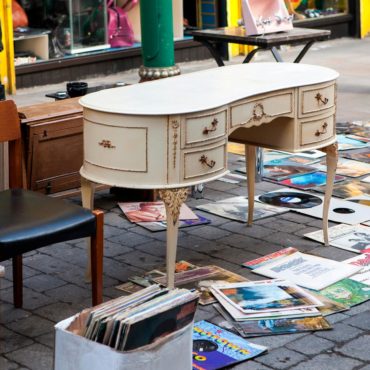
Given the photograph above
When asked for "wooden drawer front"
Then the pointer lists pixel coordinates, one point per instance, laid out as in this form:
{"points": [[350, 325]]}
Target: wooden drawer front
{"points": [[205, 161], [204, 127], [316, 131], [255, 112], [119, 148], [317, 99]]}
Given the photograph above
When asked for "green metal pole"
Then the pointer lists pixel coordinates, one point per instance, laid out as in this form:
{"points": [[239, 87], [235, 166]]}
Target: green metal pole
{"points": [[157, 40]]}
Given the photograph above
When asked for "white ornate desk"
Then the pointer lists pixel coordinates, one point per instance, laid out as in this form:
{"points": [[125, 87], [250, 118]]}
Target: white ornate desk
{"points": [[172, 133]]}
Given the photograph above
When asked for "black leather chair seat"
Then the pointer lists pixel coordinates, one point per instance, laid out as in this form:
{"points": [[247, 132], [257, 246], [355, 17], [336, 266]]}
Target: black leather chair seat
{"points": [[29, 220]]}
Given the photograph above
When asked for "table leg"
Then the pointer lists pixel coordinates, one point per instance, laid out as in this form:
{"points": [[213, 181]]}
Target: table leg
{"points": [[331, 165], [173, 199], [213, 50], [276, 54], [303, 52], [87, 195], [251, 54], [250, 153]]}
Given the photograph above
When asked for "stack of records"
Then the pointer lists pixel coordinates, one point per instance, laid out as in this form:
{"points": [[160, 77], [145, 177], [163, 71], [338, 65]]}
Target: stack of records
{"points": [[131, 322]]}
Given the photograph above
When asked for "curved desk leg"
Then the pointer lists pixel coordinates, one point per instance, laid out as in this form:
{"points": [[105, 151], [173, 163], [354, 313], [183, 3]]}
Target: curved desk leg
{"points": [[173, 199], [250, 153], [331, 165], [87, 195]]}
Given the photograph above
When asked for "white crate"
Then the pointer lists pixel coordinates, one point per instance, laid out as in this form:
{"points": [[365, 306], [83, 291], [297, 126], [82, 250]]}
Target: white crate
{"points": [[74, 352]]}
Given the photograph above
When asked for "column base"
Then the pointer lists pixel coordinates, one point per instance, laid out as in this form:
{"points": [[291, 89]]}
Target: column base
{"points": [[150, 73]]}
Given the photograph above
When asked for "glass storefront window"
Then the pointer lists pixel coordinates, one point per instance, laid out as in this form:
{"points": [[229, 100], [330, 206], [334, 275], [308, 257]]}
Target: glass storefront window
{"points": [[311, 9]]}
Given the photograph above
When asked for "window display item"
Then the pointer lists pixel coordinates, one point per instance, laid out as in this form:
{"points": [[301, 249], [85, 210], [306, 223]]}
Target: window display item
{"points": [[19, 16], [265, 16], [120, 32], [82, 25]]}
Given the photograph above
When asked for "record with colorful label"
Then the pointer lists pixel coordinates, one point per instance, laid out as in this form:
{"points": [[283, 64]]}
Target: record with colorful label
{"points": [[295, 200]]}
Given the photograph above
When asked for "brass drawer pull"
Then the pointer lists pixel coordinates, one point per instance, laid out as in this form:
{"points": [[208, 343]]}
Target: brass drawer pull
{"points": [[204, 160], [323, 130], [213, 127], [106, 144], [320, 98]]}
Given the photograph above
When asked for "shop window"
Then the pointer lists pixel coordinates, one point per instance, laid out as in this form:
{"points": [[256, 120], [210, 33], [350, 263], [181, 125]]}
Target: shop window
{"points": [[313, 9]]}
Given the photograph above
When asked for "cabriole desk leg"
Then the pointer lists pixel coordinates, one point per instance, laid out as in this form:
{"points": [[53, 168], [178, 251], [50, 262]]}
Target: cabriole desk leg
{"points": [[250, 153], [331, 166], [173, 199], [87, 195]]}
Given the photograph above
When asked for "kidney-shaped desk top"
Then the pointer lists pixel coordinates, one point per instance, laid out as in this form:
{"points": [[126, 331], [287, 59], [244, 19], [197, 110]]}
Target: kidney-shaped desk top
{"points": [[172, 133]]}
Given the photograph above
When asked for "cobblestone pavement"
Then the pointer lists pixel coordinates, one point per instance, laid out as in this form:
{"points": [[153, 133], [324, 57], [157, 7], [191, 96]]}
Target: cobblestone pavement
{"points": [[54, 286]]}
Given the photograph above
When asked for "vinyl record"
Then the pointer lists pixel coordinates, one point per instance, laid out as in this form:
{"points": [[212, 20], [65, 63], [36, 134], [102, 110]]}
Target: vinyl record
{"points": [[290, 199], [204, 345]]}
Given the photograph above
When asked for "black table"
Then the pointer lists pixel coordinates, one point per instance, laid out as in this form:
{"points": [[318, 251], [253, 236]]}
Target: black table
{"points": [[236, 35]]}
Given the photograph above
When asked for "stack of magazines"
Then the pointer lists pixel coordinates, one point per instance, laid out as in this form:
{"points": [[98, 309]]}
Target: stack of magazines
{"points": [[130, 322]]}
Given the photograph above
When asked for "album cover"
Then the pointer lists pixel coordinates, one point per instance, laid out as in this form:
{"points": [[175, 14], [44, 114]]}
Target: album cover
{"points": [[148, 329], [281, 326], [365, 139], [354, 238], [366, 179], [363, 260], [215, 348], [152, 211], [203, 282], [347, 189], [258, 262], [347, 167], [236, 208], [292, 160], [129, 287], [313, 154], [232, 178], [329, 306], [238, 315], [360, 155], [162, 225], [282, 172], [308, 181], [346, 143], [258, 328], [290, 199], [347, 292], [266, 296], [307, 271]]}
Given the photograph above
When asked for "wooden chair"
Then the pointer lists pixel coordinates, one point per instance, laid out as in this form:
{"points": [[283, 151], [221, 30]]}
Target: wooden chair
{"points": [[30, 220]]}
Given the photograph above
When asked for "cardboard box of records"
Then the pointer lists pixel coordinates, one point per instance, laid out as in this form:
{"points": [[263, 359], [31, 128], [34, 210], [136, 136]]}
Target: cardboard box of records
{"points": [[150, 329]]}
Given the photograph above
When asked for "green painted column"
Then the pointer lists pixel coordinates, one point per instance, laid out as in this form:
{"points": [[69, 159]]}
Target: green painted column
{"points": [[157, 40]]}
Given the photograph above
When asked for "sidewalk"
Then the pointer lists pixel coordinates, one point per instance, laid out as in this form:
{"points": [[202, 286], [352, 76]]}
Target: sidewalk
{"points": [[54, 286]]}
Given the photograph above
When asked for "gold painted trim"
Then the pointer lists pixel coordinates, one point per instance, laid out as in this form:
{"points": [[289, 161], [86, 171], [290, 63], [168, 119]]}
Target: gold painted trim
{"points": [[261, 100], [173, 199], [175, 139]]}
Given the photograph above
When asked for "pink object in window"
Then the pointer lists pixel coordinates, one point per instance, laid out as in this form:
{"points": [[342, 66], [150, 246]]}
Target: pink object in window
{"points": [[265, 16]]}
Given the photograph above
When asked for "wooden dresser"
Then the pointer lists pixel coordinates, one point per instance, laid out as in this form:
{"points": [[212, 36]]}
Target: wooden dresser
{"points": [[53, 143]]}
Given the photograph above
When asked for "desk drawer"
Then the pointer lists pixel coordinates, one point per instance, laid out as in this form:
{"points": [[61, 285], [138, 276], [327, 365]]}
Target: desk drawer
{"points": [[204, 127], [257, 111], [206, 161], [116, 147], [315, 131], [316, 99]]}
